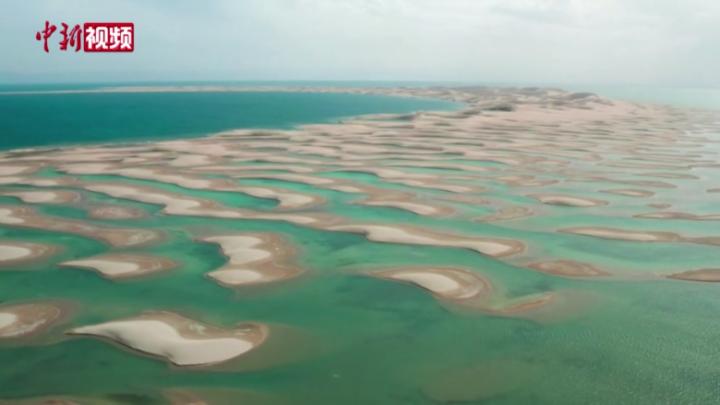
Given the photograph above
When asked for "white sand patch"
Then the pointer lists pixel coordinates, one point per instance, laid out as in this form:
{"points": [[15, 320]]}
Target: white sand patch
{"points": [[7, 216], [162, 339], [111, 268], [13, 252], [568, 200], [436, 283], [389, 234], [123, 265], [7, 319]]}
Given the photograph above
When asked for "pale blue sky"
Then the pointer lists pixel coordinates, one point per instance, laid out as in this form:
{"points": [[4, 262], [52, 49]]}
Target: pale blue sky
{"points": [[657, 42]]}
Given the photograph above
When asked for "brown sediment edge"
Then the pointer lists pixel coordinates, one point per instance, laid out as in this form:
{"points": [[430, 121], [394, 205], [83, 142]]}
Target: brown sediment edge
{"points": [[115, 212], [120, 237], [679, 215], [706, 275], [14, 253], [403, 234], [45, 196], [28, 319], [465, 288], [178, 340], [567, 268], [253, 258], [117, 266]]}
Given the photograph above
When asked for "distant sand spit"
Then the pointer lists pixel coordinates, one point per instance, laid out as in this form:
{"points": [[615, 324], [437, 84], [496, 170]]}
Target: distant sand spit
{"points": [[417, 236], [179, 340], [708, 275], [566, 200], [640, 236], [116, 266]]}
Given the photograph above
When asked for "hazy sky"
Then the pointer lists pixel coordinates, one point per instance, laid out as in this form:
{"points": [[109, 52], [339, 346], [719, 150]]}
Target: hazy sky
{"points": [[659, 42]]}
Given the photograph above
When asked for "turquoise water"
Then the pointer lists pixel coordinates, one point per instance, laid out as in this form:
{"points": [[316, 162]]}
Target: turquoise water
{"points": [[340, 337], [56, 119]]}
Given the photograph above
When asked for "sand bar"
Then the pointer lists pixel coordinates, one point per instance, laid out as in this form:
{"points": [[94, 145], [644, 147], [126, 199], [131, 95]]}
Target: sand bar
{"points": [[24, 320], [14, 253], [123, 265], [420, 236], [253, 259], [566, 200], [177, 339], [445, 283]]}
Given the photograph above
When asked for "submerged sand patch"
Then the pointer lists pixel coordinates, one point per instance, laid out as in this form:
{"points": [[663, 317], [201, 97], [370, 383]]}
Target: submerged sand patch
{"points": [[115, 212], [707, 275], [568, 268], [506, 214], [179, 340], [116, 266], [25, 320], [253, 259]]}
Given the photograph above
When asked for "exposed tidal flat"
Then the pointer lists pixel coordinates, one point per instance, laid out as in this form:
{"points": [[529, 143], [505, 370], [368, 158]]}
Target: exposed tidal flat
{"points": [[531, 246]]}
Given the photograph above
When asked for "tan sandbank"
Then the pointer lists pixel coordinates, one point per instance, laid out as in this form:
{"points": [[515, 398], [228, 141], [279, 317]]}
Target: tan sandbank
{"points": [[116, 266], [566, 200], [641, 236], [443, 282], [24, 320], [419, 236], [465, 288], [120, 237], [707, 275], [623, 234], [567, 268], [13, 253], [629, 192], [179, 340], [253, 258], [45, 196], [679, 215]]}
